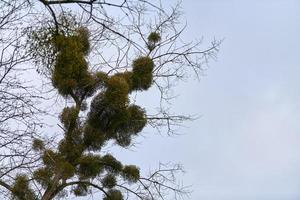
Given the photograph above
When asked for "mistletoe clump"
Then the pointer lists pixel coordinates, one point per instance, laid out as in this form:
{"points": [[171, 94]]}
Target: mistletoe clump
{"points": [[21, 188], [153, 39], [142, 73], [111, 117]]}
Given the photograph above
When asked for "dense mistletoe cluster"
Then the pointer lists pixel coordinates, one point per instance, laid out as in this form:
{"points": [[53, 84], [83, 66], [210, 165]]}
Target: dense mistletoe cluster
{"points": [[111, 117]]}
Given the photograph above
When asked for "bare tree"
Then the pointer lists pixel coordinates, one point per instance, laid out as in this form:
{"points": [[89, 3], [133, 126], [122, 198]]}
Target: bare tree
{"points": [[119, 31], [18, 100], [98, 52]]}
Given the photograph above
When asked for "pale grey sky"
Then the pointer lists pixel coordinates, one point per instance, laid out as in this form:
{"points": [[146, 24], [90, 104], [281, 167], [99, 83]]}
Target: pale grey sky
{"points": [[246, 145]]}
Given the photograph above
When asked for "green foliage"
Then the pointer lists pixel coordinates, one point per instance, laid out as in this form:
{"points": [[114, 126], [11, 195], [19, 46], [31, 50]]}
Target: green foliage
{"points": [[131, 173], [21, 189], [113, 194], [93, 83], [107, 113], [56, 162], [87, 86], [117, 92], [109, 181], [38, 145], [142, 73], [83, 35], [137, 120], [90, 166], [70, 150], [41, 48], [50, 158], [111, 116], [70, 68], [127, 76], [71, 146], [43, 176], [42, 41], [93, 139], [67, 169], [69, 116], [134, 123], [65, 49], [111, 164], [102, 77], [153, 39], [123, 139]]}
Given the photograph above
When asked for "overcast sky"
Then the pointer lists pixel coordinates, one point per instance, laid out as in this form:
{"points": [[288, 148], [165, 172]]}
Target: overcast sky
{"points": [[246, 145]]}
